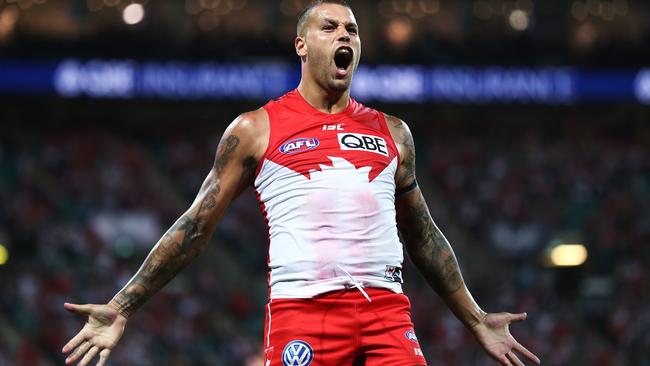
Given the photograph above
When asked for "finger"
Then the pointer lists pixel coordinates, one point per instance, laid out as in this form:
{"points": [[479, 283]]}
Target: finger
{"points": [[515, 318], [103, 356], [504, 360], [84, 309], [514, 359], [83, 348], [526, 353], [89, 356], [74, 342]]}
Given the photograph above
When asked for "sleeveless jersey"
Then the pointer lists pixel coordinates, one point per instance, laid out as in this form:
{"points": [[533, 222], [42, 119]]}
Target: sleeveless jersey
{"points": [[326, 185]]}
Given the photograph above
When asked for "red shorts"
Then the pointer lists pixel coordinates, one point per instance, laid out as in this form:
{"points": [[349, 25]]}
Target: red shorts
{"points": [[341, 328]]}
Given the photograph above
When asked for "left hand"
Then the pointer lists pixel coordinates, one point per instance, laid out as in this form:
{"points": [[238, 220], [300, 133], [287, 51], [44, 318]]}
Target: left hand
{"points": [[494, 335]]}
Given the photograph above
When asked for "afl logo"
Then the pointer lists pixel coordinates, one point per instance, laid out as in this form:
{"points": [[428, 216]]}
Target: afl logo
{"points": [[299, 145], [297, 353], [410, 335]]}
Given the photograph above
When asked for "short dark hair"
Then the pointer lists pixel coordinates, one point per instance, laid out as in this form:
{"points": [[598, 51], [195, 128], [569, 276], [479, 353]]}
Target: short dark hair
{"points": [[304, 14]]}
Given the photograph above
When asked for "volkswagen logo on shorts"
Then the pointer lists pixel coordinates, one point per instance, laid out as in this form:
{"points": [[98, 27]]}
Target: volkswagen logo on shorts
{"points": [[297, 353]]}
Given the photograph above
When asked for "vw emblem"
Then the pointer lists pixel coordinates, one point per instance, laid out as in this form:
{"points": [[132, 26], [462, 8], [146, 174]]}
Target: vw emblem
{"points": [[297, 353]]}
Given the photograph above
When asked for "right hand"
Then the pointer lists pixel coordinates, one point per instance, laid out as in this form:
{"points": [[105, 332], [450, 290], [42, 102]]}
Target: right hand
{"points": [[103, 329]]}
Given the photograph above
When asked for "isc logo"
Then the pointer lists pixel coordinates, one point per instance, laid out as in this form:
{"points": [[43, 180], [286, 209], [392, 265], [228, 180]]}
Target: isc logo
{"points": [[299, 145], [357, 141], [338, 127]]}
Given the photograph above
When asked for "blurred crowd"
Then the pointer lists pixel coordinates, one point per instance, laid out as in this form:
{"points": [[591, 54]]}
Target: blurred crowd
{"points": [[515, 191], [588, 33], [83, 205]]}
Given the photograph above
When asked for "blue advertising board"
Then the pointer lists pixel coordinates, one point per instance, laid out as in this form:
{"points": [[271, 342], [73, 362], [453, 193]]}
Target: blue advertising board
{"points": [[100, 78]]}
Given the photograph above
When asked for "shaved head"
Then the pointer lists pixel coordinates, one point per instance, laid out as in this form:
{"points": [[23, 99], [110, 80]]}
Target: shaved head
{"points": [[306, 12], [328, 45]]}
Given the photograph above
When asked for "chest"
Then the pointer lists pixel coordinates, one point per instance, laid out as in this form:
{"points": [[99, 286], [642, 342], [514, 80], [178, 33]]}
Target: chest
{"points": [[307, 143]]}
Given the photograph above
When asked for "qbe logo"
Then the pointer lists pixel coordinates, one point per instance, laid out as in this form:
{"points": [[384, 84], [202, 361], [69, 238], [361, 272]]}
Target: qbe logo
{"points": [[299, 145], [297, 353], [357, 141]]}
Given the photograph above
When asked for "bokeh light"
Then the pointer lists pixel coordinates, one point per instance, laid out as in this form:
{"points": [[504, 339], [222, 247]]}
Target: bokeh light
{"points": [[4, 255], [8, 18], [133, 14], [519, 20], [399, 31], [568, 255]]}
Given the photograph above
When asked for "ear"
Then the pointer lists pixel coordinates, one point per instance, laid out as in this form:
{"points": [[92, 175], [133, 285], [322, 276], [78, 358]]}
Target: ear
{"points": [[301, 46]]}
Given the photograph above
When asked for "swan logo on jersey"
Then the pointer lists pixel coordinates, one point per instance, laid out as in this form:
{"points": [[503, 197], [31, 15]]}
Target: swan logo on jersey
{"points": [[357, 141], [297, 353], [410, 335], [299, 145], [393, 273]]}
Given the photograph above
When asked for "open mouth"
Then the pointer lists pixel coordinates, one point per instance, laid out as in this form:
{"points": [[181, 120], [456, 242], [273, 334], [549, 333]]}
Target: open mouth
{"points": [[343, 58]]}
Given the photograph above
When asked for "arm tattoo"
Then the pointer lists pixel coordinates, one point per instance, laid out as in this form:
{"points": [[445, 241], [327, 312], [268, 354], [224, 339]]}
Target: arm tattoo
{"points": [[224, 152], [183, 242], [408, 159], [406, 189], [426, 245]]}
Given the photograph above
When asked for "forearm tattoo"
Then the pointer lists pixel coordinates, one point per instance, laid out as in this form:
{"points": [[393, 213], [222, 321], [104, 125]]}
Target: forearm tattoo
{"points": [[183, 242], [426, 245]]}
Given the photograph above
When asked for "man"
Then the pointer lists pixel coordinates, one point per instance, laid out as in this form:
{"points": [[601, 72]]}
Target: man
{"points": [[336, 181]]}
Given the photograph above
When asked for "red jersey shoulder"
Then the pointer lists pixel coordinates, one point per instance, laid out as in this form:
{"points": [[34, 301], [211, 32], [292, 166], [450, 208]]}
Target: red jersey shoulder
{"points": [[362, 111], [277, 101]]}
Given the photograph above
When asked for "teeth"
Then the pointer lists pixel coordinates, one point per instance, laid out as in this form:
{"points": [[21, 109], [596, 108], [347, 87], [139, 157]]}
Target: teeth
{"points": [[343, 51]]}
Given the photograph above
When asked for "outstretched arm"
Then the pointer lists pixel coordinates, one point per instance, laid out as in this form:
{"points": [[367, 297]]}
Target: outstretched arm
{"points": [[187, 238], [432, 254], [241, 146]]}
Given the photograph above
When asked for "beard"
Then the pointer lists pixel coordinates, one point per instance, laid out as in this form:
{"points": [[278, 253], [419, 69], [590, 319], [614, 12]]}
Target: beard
{"points": [[339, 85], [321, 66]]}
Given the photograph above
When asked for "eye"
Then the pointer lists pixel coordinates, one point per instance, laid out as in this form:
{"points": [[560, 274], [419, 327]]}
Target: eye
{"points": [[352, 30], [328, 27]]}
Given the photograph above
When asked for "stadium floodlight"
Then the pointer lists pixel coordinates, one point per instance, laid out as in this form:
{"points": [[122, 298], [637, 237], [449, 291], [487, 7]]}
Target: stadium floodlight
{"points": [[4, 255], [133, 14], [567, 255]]}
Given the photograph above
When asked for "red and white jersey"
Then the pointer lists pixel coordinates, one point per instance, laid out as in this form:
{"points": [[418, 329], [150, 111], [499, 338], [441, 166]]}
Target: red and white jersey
{"points": [[326, 184]]}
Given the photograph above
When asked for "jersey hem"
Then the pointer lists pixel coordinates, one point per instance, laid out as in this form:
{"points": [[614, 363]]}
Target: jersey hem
{"points": [[311, 291]]}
